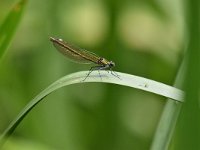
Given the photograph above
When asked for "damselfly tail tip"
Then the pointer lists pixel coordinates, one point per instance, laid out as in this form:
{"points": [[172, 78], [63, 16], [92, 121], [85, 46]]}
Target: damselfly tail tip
{"points": [[55, 39], [52, 39]]}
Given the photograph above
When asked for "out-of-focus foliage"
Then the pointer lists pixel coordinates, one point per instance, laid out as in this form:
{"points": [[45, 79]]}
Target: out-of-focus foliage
{"points": [[189, 120], [142, 38], [9, 25]]}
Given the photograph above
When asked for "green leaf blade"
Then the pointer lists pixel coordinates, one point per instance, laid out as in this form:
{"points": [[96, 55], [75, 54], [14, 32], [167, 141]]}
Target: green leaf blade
{"points": [[10, 24], [125, 80]]}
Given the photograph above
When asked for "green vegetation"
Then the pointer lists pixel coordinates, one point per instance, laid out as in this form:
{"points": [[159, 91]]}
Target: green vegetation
{"points": [[146, 39]]}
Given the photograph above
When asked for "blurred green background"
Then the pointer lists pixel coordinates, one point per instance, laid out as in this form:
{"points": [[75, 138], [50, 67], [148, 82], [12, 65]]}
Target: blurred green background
{"points": [[143, 38]]}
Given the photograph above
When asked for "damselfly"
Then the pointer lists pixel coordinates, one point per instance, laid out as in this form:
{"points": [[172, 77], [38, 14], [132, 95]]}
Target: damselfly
{"points": [[82, 56]]}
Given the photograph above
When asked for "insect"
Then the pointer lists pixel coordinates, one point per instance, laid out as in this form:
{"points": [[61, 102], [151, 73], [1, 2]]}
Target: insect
{"points": [[82, 56]]}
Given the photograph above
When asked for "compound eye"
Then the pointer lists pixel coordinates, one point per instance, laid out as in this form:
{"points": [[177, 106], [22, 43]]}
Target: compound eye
{"points": [[112, 64]]}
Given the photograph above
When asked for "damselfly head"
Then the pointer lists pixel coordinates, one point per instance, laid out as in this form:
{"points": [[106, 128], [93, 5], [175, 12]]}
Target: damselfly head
{"points": [[111, 64]]}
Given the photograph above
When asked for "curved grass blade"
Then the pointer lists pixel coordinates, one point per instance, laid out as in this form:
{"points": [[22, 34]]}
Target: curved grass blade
{"points": [[126, 80], [166, 126], [9, 25]]}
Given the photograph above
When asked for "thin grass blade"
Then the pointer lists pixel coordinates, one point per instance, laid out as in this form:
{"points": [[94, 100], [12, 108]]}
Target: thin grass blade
{"points": [[126, 80], [9, 25]]}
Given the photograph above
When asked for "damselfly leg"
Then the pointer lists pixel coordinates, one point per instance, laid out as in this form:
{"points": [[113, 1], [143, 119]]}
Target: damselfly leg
{"points": [[101, 68], [92, 69], [115, 74]]}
